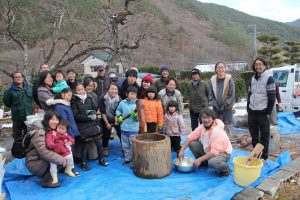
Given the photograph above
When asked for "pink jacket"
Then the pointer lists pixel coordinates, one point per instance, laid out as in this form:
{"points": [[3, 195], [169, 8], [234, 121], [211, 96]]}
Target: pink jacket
{"points": [[56, 142], [174, 124], [214, 140]]}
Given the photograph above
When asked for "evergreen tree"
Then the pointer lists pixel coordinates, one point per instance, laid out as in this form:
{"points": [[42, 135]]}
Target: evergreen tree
{"points": [[292, 52], [270, 49]]}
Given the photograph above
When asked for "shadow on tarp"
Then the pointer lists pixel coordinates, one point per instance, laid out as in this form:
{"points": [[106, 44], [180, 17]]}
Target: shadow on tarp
{"points": [[288, 123], [118, 182]]}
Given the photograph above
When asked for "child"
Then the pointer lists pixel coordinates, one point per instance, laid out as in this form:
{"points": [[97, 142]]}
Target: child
{"points": [[84, 109], [60, 142], [108, 105], [61, 104], [174, 125], [153, 111], [130, 126], [60, 83]]}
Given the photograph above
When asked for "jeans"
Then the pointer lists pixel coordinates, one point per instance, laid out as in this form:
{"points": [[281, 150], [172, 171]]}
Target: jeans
{"points": [[126, 142], [259, 127], [84, 149], [218, 162], [195, 120], [227, 118]]}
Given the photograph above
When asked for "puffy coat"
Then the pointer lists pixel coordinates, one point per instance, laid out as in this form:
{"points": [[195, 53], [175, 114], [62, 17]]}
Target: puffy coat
{"points": [[39, 157], [20, 101], [86, 126], [44, 93], [56, 142], [65, 112], [153, 111]]}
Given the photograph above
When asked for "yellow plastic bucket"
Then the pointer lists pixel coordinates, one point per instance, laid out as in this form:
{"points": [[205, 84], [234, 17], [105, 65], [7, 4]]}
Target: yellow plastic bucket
{"points": [[244, 175]]}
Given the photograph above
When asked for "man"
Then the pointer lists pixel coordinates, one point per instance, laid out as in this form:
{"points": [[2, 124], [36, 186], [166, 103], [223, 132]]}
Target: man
{"points": [[131, 77], [102, 81], [222, 95], [209, 144], [19, 99], [260, 102], [71, 79], [198, 92], [43, 67], [160, 83]]}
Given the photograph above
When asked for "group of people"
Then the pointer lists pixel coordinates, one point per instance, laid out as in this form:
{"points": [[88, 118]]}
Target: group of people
{"points": [[80, 116]]}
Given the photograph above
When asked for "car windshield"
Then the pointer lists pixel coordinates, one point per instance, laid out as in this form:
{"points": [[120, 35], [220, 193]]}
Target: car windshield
{"points": [[281, 77]]}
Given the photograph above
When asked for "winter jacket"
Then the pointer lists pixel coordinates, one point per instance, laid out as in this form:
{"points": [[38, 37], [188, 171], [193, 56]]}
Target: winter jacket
{"points": [[39, 157], [160, 84], [124, 87], [124, 108], [261, 94], [153, 111], [198, 96], [56, 142], [19, 101], [109, 110], [176, 97], [227, 93], [174, 124], [86, 126], [102, 85], [214, 140], [44, 93], [59, 86], [65, 112]]}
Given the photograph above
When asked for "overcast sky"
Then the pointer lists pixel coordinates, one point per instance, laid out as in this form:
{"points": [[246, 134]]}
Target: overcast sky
{"points": [[277, 10]]}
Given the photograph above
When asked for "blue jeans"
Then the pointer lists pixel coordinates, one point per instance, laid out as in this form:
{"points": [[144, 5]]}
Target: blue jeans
{"points": [[126, 141]]}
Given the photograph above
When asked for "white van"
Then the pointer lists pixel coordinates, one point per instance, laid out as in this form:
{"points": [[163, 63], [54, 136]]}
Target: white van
{"points": [[288, 79]]}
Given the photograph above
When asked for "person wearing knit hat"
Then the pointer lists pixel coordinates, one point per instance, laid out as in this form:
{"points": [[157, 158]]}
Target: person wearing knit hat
{"points": [[198, 91], [131, 77], [146, 83], [160, 83], [154, 114]]}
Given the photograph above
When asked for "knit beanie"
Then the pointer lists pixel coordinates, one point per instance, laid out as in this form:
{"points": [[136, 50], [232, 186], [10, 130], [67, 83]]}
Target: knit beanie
{"points": [[164, 67], [148, 78]]}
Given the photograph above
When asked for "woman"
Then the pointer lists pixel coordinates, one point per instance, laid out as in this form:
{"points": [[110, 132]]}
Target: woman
{"points": [[108, 105], [39, 156], [44, 89], [146, 83], [170, 93], [89, 85]]}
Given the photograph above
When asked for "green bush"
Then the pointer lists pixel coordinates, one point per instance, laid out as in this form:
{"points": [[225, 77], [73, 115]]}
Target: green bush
{"points": [[150, 69], [240, 89], [183, 90]]}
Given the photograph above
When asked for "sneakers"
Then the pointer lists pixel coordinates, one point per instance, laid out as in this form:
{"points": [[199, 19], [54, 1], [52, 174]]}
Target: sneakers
{"points": [[103, 162], [226, 173], [105, 152], [84, 166]]}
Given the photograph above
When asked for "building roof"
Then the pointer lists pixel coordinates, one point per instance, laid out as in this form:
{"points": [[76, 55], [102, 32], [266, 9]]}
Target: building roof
{"points": [[100, 55]]}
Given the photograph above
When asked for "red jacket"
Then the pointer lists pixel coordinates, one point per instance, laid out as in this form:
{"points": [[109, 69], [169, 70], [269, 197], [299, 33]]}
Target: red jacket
{"points": [[56, 142]]}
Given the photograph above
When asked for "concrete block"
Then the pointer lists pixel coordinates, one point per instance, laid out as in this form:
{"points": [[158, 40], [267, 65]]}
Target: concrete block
{"points": [[282, 175], [249, 193], [269, 186], [293, 167]]}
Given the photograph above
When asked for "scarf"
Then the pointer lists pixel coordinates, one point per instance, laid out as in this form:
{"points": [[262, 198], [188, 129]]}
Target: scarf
{"points": [[110, 106], [81, 97], [195, 82]]}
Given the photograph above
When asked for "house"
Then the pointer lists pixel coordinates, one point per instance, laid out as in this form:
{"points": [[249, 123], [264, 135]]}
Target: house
{"points": [[93, 60]]}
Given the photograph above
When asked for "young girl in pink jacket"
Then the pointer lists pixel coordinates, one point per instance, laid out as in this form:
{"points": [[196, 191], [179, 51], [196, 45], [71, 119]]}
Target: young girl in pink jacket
{"points": [[174, 125]]}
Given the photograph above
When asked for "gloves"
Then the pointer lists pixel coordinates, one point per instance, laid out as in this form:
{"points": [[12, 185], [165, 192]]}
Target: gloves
{"points": [[120, 119], [92, 117], [133, 115]]}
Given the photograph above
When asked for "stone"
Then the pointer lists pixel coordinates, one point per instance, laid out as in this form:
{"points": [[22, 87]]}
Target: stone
{"points": [[249, 193], [282, 175], [293, 167], [269, 186]]}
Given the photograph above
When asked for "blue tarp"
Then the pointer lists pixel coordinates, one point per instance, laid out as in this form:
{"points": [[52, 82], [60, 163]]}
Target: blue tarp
{"points": [[287, 123], [118, 182]]}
